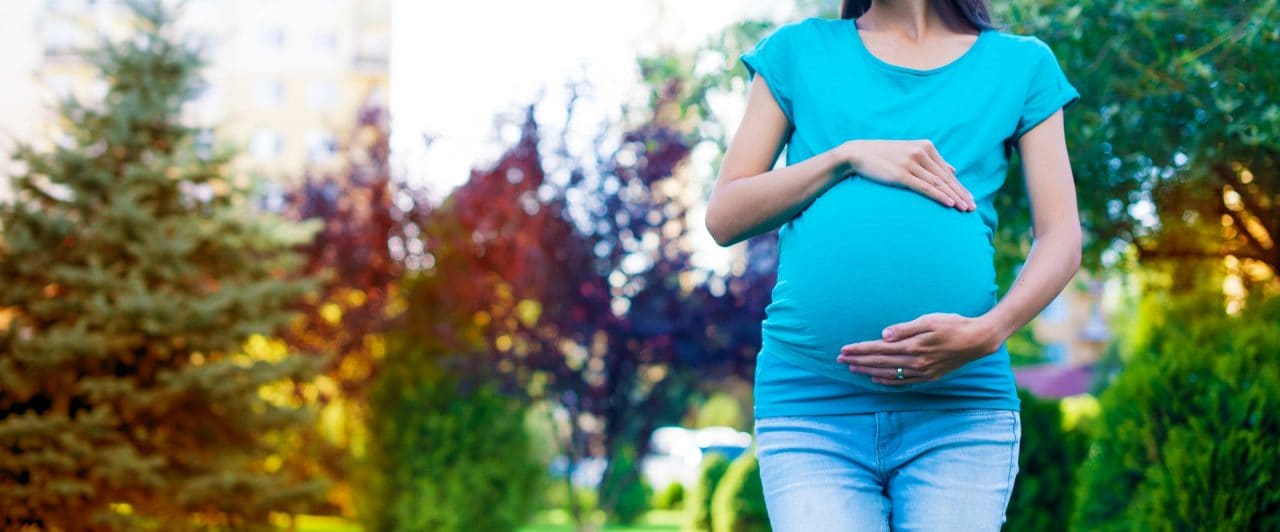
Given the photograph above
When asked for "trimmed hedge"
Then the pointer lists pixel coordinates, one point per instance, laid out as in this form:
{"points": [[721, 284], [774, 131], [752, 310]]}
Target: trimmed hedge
{"points": [[698, 503], [442, 457], [1043, 494], [1187, 435], [630, 498], [670, 498], [738, 502]]}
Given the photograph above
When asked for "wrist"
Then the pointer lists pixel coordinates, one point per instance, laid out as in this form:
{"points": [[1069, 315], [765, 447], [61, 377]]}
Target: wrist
{"points": [[997, 327], [850, 155]]}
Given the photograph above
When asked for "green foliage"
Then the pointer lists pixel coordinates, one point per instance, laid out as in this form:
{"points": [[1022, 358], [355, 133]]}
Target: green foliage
{"points": [[543, 431], [721, 410], [1024, 348], [698, 503], [1174, 106], [670, 498], [444, 453], [1186, 438], [138, 289], [625, 487], [738, 502], [556, 496], [1048, 459]]}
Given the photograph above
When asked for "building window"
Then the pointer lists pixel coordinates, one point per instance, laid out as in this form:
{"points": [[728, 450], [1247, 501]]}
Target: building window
{"points": [[1056, 310], [320, 145], [326, 42], [272, 38], [322, 95], [1056, 353], [266, 144], [61, 85], [61, 37], [269, 92]]}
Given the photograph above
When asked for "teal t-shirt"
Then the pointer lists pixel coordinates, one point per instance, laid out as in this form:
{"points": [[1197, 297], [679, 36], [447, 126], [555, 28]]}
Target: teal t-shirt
{"points": [[863, 255]]}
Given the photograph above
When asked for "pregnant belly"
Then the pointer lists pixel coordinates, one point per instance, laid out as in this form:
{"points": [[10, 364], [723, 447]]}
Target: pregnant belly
{"points": [[865, 255]]}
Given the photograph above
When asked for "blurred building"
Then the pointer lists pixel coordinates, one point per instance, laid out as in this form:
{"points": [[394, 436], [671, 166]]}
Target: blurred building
{"points": [[285, 76], [1074, 327], [1075, 333]]}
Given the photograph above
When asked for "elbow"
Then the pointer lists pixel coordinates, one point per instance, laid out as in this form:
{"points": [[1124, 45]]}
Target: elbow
{"points": [[712, 223], [1068, 242]]}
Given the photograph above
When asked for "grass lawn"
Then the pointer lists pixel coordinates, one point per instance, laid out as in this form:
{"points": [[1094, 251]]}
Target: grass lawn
{"points": [[559, 520], [544, 521]]}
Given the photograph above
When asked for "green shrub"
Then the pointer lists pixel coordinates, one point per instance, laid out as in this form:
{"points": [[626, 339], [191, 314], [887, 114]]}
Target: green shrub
{"points": [[670, 498], [625, 487], [738, 502], [1048, 459], [698, 503], [543, 431], [556, 496], [442, 457], [1187, 435], [722, 410]]}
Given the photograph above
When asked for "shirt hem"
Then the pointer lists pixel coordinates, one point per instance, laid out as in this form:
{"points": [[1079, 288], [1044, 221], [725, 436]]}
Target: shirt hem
{"points": [[873, 401], [900, 403]]}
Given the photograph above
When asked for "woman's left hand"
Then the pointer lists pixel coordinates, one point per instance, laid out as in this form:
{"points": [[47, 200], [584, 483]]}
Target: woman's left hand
{"points": [[926, 348]]}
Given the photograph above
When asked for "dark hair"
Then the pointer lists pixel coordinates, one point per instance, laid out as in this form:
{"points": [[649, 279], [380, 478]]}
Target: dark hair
{"points": [[956, 14]]}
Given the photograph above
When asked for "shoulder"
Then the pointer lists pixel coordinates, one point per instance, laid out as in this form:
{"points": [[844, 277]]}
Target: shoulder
{"points": [[807, 23], [795, 28], [802, 29], [1021, 45], [819, 25]]}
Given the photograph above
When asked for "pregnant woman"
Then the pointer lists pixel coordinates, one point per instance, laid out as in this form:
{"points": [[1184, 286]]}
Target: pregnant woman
{"points": [[884, 398]]}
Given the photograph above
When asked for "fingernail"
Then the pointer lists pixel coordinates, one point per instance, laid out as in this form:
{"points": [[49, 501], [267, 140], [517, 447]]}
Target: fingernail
{"points": [[888, 334]]}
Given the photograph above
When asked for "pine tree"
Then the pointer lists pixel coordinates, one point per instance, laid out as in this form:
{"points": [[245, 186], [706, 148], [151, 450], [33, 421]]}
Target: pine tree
{"points": [[136, 280]]}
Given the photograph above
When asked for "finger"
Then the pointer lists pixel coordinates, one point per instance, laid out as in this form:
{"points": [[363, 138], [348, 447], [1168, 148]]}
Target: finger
{"points": [[942, 178], [911, 328], [888, 360], [918, 169], [864, 348], [934, 154], [929, 189], [899, 382], [888, 373], [950, 174], [873, 347]]}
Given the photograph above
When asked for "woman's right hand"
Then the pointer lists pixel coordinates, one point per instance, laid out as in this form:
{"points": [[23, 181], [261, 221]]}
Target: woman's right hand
{"points": [[914, 164]]}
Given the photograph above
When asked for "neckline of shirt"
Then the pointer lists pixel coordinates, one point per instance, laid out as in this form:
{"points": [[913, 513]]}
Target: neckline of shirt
{"points": [[862, 50]]}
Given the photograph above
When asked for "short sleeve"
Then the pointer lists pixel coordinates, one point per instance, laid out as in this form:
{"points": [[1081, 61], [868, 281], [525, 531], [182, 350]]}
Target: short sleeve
{"points": [[1048, 90], [773, 58]]}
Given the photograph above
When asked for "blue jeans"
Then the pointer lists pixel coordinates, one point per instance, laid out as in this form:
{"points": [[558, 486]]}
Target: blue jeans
{"points": [[905, 470]]}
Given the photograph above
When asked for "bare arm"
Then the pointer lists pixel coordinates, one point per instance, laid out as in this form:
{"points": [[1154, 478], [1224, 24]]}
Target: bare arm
{"points": [[1055, 253], [748, 198]]}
